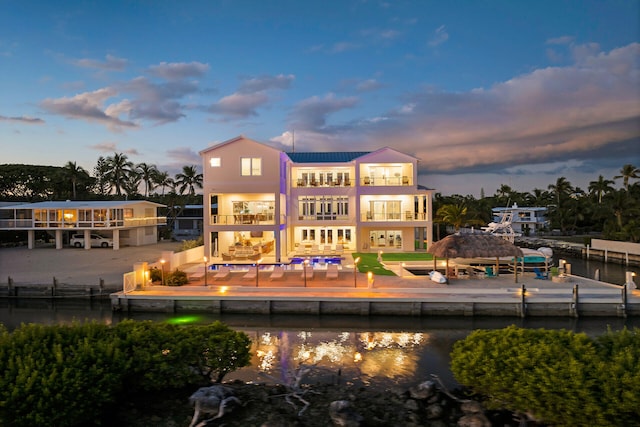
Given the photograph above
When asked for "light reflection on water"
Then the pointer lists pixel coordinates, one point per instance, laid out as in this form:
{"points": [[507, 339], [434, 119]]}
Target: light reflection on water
{"points": [[380, 350]]}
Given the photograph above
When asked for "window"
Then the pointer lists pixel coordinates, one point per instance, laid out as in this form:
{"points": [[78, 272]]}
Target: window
{"points": [[251, 166], [215, 162]]}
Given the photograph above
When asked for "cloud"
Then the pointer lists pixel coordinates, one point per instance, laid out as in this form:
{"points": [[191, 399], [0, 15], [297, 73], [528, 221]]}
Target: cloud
{"points": [[251, 95], [312, 113], [89, 106], [181, 156], [263, 83], [588, 109], [368, 85], [178, 70], [105, 147], [22, 119], [111, 63], [156, 102], [440, 36]]}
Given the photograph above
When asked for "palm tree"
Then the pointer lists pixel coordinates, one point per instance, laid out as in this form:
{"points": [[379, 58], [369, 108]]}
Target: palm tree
{"points": [[73, 173], [601, 187], [561, 189], [189, 179], [147, 174], [504, 192], [162, 179], [456, 215], [119, 167], [626, 173]]}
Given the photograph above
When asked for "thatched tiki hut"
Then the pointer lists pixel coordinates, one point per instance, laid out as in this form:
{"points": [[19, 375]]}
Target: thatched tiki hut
{"points": [[475, 245]]}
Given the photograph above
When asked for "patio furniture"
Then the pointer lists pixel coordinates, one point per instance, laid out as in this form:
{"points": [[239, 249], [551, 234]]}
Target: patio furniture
{"points": [[278, 273], [332, 272], [226, 257], [223, 273], [309, 273], [251, 274], [540, 274]]}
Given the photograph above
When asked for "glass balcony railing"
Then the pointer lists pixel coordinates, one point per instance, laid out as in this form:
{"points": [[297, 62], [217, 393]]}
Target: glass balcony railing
{"points": [[246, 218], [393, 216]]}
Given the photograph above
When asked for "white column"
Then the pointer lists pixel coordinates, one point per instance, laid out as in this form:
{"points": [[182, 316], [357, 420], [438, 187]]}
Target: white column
{"points": [[87, 239], [31, 238], [58, 239], [116, 239]]}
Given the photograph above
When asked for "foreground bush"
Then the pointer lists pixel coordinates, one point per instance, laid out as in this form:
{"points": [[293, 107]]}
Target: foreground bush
{"points": [[68, 375], [561, 377]]}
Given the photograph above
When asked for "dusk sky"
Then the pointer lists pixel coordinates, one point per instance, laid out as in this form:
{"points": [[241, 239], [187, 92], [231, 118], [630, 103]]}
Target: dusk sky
{"points": [[484, 93]]}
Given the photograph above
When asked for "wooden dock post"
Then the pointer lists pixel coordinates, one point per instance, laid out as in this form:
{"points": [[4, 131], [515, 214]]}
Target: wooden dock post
{"points": [[574, 302], [523, 302], [622, 310]]}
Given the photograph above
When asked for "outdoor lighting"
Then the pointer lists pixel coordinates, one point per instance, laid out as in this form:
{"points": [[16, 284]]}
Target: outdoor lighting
{"points": [[402, 272], [304, 271], [379, 256], [357, 357], [355, 271], [257, 271], [370, 279], [223, 289], [205, 270], [162, 264]]}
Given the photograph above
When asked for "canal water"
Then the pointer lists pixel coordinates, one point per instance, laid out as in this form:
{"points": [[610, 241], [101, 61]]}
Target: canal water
{"points": [[379, 350]]}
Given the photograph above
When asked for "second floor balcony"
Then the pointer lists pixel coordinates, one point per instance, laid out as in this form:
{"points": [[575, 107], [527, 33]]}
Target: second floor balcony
{"points": [[371, 216], [245, 218]]}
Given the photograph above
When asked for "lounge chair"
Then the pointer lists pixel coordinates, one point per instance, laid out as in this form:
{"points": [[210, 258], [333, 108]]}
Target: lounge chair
{"points": [[309, 272], [251, 274], [540, 274], [278, 273], [332, 272], [223, 273]]}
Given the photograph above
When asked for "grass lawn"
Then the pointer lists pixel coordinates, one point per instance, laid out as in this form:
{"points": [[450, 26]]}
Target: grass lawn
{"points": [[369, 261]]}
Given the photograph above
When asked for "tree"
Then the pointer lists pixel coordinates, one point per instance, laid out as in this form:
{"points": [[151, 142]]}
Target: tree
{"points": [[561, 191], [626, 173], [74, 173], [456, 215], [162, 179], [119, 167], [147, 174], [601, 187], [101, 171], [188, 180]]}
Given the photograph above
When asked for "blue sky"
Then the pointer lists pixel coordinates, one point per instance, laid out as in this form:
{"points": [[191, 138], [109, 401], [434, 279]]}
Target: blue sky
{"points": [[484, 93]]}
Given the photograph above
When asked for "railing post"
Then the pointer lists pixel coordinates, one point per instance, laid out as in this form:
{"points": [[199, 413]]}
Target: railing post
{"points": [[623, 306], [523, 301]]}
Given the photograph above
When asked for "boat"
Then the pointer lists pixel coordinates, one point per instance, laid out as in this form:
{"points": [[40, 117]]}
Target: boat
{"points": [[437, 277]]}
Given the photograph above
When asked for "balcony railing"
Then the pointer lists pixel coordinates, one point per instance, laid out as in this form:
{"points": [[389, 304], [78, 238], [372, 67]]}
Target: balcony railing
{"points": [[132, 222], [334, 183], [382, 181], [252, 219], [323, 217], [394, 216]]}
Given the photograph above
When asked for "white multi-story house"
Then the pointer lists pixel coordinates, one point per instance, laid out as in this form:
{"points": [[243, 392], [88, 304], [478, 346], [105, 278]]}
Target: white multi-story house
{"points": [[526, 221], [261, 202], [126, 222]]}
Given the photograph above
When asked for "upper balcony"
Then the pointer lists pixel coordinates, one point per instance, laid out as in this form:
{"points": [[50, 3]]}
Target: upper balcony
{"points": [[245, 218], [407, 216], [14, 224], [386, 174]]}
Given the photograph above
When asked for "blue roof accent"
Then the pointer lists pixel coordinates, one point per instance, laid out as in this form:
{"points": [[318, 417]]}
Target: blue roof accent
{"points": [[326, 157]]}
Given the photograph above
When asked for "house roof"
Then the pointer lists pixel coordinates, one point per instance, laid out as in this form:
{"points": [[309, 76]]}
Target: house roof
{"points": [[78, 204], [326, 157]]}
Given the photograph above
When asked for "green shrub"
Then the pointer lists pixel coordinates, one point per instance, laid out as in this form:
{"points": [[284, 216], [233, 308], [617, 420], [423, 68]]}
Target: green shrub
{"points": [[155, 275], [190, 244], [70, 375], [58, 375], [177, 278], [561, 377]]}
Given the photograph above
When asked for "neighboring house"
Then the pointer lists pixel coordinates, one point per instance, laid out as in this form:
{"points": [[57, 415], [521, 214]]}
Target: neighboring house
{"points": [[278, 204], [131, 223], [526, 221], [188, 223]]}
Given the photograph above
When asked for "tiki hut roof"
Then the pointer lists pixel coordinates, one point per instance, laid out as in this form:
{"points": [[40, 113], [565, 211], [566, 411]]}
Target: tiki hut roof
{"points": [[473, 245]]}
